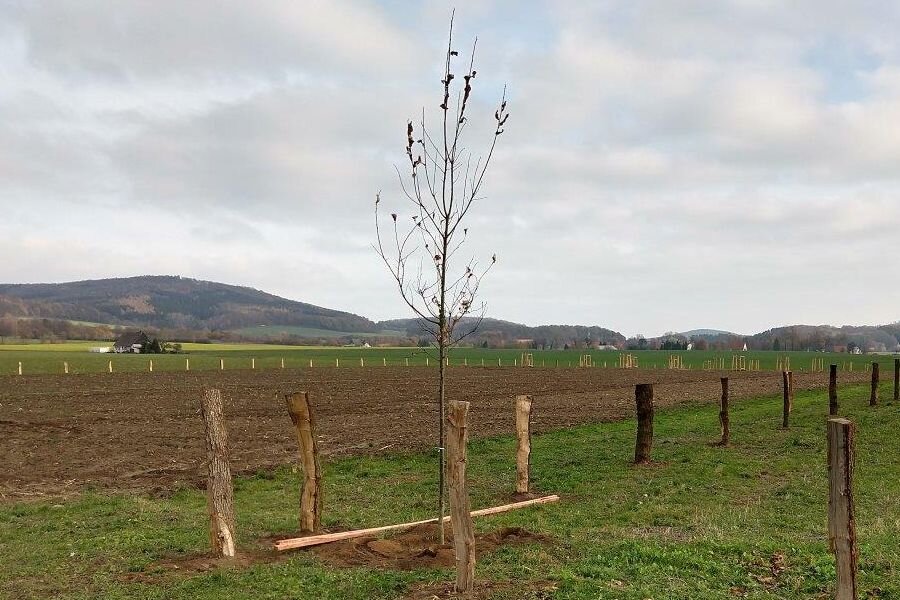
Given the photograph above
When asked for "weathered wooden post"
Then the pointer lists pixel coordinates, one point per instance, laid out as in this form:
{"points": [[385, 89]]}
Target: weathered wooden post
{"points": [[66, 368], [841, 523], [109, 367], [282, 362], [723, 414], [151, 365], [407, 361], [362, 362], [832, 391], [788, 378], [310, 363], [873, 399], [187, 364], [523, 450], [896, 379], [300, 410], [252, 363], [643, 395], [221, 364], [460, 517], [219, 489]]}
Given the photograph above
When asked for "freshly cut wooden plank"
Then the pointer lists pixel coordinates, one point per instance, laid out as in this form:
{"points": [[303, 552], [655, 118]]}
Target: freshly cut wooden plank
{"points": [[327, 538]]}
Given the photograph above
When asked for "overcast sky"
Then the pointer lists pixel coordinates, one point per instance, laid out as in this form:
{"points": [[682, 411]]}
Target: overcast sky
{"points": [[667, 165]]}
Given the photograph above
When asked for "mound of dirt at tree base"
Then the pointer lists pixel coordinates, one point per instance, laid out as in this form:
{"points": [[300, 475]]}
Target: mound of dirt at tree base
{"points": [[416, 548]]}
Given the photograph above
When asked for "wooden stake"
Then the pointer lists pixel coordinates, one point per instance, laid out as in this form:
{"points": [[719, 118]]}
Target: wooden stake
{"points": [[460, 510], [873, 399], [786, 418], [219, 490], [896, 379], [151, 365], [523, 435], [723, 414], [20, 367], [187, 364], [252, 363], [110, 367], [282, 362], [300, 410], [310, 363], [327, 538], [643, 395], [841, 522], [221, 364], [407, 361], [832, 391], [66, 368], [384, 362]]}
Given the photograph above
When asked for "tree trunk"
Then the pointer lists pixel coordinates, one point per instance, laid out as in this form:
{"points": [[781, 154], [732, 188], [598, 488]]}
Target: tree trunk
{"points": [[219, 490], [301, 412], [523, 451], [643, 394], [723, 414], [460, 511], [841, 521]]}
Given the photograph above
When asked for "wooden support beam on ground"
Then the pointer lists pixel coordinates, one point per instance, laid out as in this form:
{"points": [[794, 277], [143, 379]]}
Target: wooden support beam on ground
{"points": [[327, 538], [523, 450], [301, 413], [219, 488], [841, 523]]}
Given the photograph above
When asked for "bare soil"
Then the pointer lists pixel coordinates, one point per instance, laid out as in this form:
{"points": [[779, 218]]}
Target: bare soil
{"points": [[143, 432]]}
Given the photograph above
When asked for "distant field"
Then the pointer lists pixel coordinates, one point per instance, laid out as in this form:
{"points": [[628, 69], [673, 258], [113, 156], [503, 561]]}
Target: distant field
{"points": [[49, 358]]}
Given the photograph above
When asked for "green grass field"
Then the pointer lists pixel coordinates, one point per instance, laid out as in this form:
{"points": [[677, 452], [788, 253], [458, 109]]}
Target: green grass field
{"points": [[49, 358], [702, 523]]}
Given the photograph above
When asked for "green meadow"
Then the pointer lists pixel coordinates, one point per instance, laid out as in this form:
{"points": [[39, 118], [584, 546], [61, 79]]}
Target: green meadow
{"points": [[702, 522], [40, 358]]}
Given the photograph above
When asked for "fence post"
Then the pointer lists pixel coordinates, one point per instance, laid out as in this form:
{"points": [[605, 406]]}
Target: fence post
{"points": [[110, 367], [460, 509], [832, 391], [20, 367], [643, 395], [66, 368], [151, 365], [841, 523], [788, 378], [252, 363], [282, 362], [219, 489], [873, 399], [187, 364], [301, 413], [723, 414], [523, 450], [896, 379], [221, 364]]}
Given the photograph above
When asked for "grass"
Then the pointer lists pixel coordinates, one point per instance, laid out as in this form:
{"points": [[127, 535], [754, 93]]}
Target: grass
{"points": [[49, 358], [702, 523]]}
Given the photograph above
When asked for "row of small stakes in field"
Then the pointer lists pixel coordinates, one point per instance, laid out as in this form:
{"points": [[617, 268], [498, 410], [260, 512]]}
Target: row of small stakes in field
{"points": [[220, 495], [625, 361]]}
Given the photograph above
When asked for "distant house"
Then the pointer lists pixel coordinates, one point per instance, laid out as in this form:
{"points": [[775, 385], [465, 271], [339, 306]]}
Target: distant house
{"points": [[131, 342]]}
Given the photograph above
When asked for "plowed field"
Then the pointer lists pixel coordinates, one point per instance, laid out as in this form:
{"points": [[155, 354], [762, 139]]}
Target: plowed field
{"points": [[143, 431]]}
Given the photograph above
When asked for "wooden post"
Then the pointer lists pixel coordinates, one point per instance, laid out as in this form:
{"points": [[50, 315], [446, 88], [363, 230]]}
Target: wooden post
{"points": [[20, 367], [361, 362], [643, 395], [384, 361], [301, 413], [151, 365], [337, 362], [896, 379], [221, 364], [282, 362], [66, 368], [407, 361], [523, 451], [786, 418], [110, 367], [873, 399], [187, 364], [252, 363], [841, 523], [310, 363], [460, 510], [832, 391], [723, 414], [219, 490]]}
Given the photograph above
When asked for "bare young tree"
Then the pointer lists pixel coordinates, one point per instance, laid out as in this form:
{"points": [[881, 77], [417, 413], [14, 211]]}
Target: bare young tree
{"points": [[442, 182]]}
